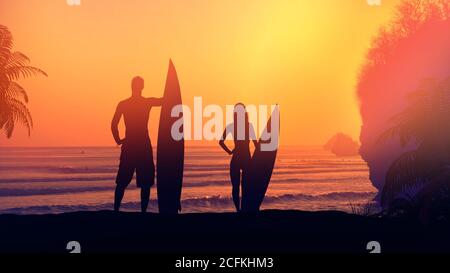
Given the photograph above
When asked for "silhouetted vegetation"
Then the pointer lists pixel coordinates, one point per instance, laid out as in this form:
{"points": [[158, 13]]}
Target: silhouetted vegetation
{"points": [[14, 65], [414, 46], [419, 180], [364, 209]]}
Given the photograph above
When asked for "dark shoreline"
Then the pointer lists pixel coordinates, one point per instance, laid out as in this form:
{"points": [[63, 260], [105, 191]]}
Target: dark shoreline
{"points": [[268, 232]]}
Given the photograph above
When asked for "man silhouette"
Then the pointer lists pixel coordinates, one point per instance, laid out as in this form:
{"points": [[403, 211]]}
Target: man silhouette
{"points": [[136, 151]]}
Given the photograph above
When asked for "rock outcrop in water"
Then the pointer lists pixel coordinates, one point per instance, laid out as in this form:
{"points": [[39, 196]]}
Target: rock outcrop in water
{"points": [[342, 145]]}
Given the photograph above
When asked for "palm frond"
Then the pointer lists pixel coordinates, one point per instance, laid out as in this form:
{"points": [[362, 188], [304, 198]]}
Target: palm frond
{"points": [[6, 119], [13, 66], [6, 44], [6, 38], [4, 53], [22, 114], [15, 72], [8, 127], [4, 82], [390, 133], [17, 59], [16, 91], [15, 111], [404, 173], [404, 128], [428, 106], [3, 113]]}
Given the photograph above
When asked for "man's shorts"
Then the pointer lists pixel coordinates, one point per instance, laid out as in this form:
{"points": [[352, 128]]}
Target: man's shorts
{"points": [[139, 159]]}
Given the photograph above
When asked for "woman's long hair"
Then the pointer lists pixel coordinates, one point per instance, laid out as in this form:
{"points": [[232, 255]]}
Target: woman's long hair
{"points": [[237, 120]]}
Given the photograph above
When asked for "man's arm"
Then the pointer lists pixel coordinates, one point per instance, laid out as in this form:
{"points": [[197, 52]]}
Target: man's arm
{"points": [[155, 101], [115, 124]]}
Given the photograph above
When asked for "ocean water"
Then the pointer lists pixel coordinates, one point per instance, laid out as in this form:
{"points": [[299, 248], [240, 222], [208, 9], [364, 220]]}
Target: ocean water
{"points": [[57, 180]]}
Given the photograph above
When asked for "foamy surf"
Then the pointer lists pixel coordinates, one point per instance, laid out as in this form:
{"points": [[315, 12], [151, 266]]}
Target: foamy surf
{"points": [[58, 180]]}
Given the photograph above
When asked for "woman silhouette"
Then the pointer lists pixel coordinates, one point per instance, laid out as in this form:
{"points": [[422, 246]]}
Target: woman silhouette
{"points": [[242, 132]]}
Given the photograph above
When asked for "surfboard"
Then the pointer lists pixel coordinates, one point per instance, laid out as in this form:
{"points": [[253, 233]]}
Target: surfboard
{"points": [[170, 152], [256, 179]]}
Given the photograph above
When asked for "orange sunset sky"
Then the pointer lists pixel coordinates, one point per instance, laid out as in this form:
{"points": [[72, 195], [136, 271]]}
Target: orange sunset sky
{"points": [[302, 54]]}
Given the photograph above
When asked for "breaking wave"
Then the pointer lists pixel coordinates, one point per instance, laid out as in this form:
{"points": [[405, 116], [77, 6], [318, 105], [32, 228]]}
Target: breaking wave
{"points": [[196, 204]]}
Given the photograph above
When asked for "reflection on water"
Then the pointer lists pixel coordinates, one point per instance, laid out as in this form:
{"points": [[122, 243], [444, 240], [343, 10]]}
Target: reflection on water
{"points": [[55, 180]]}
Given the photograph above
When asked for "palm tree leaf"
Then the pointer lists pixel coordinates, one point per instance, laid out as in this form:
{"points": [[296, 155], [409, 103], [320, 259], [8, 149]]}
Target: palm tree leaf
{"points": [[4, 53], [4, 82], [15, 111], [17, 59], [390, 133], [6, 119], [13, 65], [3, 113], [8, 127], [14, 90], [22, 114], [404, 173], [426, 105], [6, 38], [405, 128], [6, 44], [15, 72]]}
